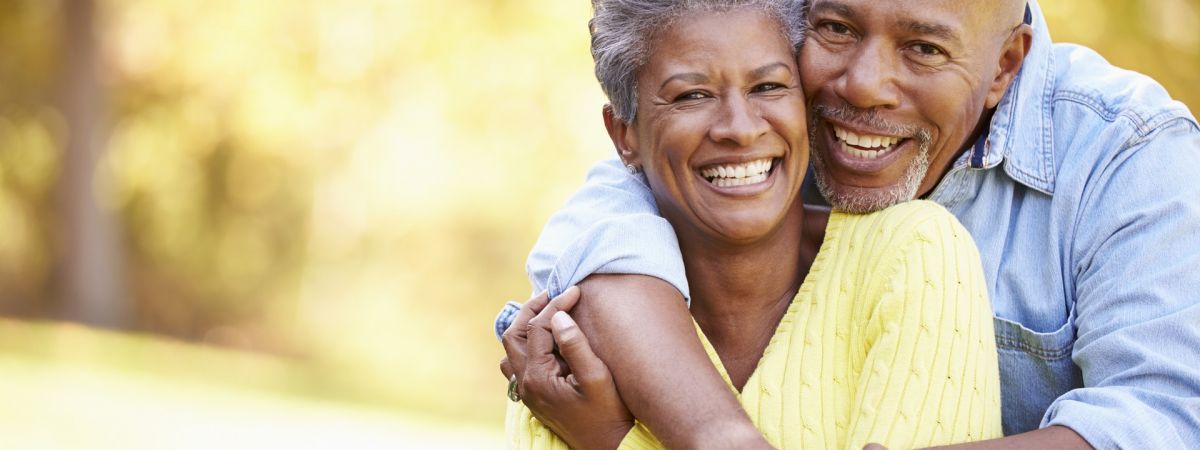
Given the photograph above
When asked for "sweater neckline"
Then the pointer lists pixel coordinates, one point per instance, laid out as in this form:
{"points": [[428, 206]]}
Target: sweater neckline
{"points": [[832, 231]]}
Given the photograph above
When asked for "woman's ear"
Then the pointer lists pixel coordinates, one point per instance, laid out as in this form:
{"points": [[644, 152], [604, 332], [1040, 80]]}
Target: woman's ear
{"points": [[623, 136]]}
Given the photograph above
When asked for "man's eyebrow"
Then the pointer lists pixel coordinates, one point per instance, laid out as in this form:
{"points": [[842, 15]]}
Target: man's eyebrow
{"points": [[838, 8], [940, 31], [767, 69], [689, 77]]}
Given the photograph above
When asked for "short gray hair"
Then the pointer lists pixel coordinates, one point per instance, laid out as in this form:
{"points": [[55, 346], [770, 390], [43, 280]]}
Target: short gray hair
{"points": [[623, 29]]}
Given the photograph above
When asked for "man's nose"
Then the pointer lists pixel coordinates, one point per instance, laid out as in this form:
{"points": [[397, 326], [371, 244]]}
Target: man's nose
{"points": [[869, 79], [739, 122]]}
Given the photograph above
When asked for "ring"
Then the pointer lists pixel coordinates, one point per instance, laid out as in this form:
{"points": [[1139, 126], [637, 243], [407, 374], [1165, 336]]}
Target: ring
{"points": [[512, 389]]}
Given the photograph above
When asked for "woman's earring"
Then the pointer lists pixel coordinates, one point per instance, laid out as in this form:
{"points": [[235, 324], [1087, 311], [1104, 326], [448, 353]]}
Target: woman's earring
{"points": [[633, 169]]}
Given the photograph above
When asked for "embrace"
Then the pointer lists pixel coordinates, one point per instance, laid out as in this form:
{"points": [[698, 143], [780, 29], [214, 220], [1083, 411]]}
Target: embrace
{"points": [[1010, 259]]}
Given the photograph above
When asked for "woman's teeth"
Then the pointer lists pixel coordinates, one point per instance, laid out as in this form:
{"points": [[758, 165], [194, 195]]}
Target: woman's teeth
{"points": [[738, 174], [863, 145]]}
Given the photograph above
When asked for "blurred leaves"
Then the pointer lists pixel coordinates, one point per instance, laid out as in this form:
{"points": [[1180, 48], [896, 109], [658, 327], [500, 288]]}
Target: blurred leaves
{"points": [[353, 185]]}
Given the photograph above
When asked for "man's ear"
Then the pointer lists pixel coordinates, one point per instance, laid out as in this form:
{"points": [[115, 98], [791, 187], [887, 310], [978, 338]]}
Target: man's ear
{"points": [[623, 136], [1011, 58]]}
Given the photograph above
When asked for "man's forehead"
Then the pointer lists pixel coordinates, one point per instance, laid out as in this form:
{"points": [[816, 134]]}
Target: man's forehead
{"points": [[950, 19]]}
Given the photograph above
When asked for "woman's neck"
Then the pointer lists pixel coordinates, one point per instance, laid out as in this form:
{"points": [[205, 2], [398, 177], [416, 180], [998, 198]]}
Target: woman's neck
{"points": [[741, 291]]}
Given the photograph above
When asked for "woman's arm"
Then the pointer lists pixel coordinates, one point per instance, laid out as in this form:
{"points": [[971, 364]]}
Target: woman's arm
{"points": [[575, 399], [638, 324], [931, 375]]}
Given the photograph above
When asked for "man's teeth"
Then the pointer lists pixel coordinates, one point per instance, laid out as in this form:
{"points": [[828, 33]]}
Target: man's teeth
{"points": [[864, 145], [738, 174]]}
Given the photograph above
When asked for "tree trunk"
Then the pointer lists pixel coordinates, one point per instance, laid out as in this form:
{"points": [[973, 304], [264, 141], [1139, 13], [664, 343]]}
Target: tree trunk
{"points": [[89, 276]]}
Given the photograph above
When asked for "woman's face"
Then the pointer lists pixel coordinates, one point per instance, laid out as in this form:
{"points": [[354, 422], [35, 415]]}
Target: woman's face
{"points": [[720, 130]]}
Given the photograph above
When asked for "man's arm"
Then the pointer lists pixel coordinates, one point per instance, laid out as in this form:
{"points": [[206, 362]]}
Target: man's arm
{"points": [[638, 323], [1137, 290]]}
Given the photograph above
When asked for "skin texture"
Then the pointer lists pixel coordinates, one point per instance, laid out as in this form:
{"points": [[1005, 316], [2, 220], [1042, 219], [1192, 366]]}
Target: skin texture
{"points": [[916, 65], [705, 100], [937, 66]]}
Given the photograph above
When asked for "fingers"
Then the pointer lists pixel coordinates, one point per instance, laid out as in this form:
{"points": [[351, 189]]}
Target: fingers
{"points": [[528, 310], [564, 302], [586, 368], [514, 337], [506, 368]]}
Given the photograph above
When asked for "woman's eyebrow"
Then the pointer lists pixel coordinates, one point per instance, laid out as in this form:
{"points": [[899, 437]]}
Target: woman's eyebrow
{"points": [[689, 77], [767, 69]]}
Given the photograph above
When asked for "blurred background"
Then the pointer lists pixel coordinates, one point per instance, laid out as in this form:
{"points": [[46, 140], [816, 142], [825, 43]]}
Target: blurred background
{"points": [[259, 224]]}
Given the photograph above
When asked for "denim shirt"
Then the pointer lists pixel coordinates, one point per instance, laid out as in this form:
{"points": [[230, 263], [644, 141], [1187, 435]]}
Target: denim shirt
{"points": [[1084, 199]]}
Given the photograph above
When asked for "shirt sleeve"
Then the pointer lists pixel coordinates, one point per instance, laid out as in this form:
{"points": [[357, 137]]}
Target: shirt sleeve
{"points": [[931, 374], [611, 225], [1137, 288]]}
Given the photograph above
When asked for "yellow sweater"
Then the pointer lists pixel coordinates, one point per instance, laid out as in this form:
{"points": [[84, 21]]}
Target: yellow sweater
{"points": [[888, 340]]}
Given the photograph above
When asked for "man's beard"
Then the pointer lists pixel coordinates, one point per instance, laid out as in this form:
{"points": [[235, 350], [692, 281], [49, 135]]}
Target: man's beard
{"points": [[862, 200]]}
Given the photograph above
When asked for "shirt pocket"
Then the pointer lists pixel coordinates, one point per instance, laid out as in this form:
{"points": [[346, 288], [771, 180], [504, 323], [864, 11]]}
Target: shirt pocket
{"points": [[1035, 368]]}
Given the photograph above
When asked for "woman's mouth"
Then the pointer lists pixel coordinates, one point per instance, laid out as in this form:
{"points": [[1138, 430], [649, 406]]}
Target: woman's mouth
{"points": [[727, 175]]}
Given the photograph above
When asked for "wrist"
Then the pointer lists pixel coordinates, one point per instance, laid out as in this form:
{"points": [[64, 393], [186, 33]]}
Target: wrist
{"points": [[605, 437], [739, 435]]}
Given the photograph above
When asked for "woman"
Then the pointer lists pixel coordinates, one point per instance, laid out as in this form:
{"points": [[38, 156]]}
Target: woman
{"points": [[884, 335]]}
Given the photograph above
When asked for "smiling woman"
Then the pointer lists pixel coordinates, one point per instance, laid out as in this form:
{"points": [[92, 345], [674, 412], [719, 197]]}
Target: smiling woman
{"points": [[875, 330]]}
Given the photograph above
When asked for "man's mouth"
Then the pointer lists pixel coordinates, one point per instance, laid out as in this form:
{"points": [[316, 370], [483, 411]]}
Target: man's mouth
{"points": [[751, 172], [865, 146]]}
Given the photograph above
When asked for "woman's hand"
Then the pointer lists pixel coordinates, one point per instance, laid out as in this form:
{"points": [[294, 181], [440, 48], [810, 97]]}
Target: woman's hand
{"points": [[571, 390]]}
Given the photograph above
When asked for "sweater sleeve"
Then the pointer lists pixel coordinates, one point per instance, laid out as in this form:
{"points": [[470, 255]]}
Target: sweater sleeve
{"points": [[526, 432], [930, 375]]}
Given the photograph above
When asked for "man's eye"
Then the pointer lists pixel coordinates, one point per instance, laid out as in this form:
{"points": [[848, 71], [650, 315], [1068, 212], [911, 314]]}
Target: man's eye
{"points": [[691, 95], [928, 49], [837, 27]]}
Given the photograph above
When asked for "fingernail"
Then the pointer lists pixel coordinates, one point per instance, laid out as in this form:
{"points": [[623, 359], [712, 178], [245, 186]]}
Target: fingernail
{"points": [[562, 321]]}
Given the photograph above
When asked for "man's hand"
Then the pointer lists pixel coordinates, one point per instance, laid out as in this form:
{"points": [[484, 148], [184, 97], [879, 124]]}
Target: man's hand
{"points": [[571, 390]]}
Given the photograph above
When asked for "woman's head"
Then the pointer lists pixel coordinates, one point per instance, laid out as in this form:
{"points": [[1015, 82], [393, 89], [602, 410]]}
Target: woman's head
{"points": [[623, 31], [716, 117]]}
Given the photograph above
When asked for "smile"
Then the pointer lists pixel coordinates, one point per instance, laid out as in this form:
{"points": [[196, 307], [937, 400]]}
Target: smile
{"points": [[864, 146], [726, 175]]}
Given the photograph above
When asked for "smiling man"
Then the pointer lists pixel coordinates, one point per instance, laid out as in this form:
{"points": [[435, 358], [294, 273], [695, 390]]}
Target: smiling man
{"points": [[1079, 181]]}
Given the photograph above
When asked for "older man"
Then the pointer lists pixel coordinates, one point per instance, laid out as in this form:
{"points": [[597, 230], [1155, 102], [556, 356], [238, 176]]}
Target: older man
{"points": [[1079, 181]]}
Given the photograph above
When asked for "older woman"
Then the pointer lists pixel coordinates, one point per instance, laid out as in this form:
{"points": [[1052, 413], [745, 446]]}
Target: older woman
{"points": [[884, 335]]}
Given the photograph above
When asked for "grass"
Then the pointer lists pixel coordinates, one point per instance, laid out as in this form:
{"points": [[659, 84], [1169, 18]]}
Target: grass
{"points": [[70, 387]]}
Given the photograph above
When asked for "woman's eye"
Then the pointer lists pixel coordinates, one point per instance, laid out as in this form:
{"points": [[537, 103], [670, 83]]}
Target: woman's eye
{"points": [[766, 87], [691, 95]]}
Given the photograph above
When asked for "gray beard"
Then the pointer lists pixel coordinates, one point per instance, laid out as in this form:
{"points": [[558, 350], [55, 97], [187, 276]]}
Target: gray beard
{"points": [[861, 200]]}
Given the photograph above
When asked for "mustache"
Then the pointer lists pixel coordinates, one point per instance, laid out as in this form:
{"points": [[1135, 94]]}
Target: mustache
{"points": [[869, 118]]}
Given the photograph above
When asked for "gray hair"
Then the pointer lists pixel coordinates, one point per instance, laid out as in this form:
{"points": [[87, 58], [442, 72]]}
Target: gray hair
{"points": [[622, 31]]}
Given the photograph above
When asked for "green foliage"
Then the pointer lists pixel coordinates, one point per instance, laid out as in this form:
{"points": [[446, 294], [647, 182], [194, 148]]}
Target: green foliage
{"points": [[352, 186]]}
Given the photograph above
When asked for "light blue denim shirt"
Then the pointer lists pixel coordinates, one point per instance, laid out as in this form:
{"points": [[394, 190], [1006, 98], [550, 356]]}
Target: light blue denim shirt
{"points": [[1084, 199]]}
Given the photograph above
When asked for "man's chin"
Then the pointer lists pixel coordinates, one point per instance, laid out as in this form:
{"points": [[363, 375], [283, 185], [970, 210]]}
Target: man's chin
{"points": [[862, 200]]}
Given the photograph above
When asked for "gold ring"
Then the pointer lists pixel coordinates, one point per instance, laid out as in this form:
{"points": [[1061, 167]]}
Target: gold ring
{"points": [[512, 389]]}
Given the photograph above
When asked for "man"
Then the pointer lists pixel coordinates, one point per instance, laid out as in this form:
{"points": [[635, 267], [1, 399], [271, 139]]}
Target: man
{"points": [[1080, 183]]}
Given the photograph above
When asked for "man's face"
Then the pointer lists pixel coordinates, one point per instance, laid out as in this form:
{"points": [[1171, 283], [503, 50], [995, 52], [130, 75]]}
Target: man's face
{"points": [[895, 91]]}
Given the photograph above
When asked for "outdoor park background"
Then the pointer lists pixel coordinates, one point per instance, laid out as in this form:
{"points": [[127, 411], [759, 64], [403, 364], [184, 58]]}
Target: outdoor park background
{"points": [[288, 224]]}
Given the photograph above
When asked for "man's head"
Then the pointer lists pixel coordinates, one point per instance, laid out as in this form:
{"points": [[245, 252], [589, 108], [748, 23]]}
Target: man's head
{"points": [[898, 88]]}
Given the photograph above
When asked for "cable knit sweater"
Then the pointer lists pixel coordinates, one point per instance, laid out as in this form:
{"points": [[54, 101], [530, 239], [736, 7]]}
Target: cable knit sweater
{"points": [[888, 340]]}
